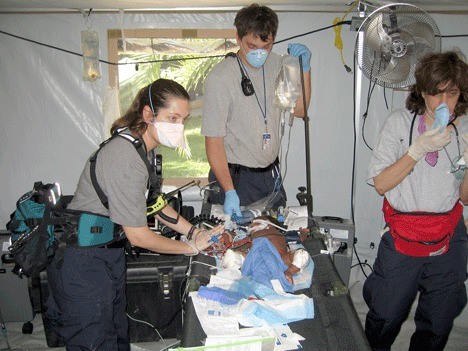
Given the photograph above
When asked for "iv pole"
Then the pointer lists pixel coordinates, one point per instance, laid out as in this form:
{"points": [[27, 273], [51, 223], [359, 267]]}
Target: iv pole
{"points": [[307, 146]]}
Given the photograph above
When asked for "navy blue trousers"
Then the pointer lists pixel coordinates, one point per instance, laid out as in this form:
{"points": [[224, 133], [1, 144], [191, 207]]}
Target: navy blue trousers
{"points": [[87, 302], [392, 287], [252, 187]]}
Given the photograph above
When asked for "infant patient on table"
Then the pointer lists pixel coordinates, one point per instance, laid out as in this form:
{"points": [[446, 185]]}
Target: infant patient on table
{"points": [[268, 228]]}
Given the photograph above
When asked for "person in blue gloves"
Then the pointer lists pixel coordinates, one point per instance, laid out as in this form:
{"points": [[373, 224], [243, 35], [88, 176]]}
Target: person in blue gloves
{"points": [[240, 120]]}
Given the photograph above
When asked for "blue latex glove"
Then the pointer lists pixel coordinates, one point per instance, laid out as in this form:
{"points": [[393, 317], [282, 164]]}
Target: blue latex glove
{"points": [[232, 203], [297, 50]]}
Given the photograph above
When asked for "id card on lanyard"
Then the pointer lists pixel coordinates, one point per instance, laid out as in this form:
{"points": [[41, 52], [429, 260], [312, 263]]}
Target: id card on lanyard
{"points": [[266, 141]]}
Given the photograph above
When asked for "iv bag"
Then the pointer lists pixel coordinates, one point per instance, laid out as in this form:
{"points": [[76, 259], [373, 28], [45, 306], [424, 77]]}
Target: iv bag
{"points": [[90, 50], [288, 87]]}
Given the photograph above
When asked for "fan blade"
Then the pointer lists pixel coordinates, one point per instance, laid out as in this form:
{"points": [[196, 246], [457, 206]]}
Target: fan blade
{"points": [[396, 71], [375, 36], [422, 33]]}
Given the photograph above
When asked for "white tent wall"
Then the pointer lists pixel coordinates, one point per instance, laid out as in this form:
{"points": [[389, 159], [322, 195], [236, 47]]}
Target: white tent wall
{"points": [[52, 120]]}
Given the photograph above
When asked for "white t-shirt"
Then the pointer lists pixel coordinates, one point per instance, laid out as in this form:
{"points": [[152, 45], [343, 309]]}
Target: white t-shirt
{"points": [[427, 188]]}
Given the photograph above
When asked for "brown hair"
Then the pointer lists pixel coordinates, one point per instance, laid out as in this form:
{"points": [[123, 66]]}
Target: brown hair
{"points": [[433, 70], [259, 20], [161, 91]]}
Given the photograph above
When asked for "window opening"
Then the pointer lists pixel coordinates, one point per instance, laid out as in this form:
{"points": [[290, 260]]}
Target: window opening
{"points": [[186, 56]]}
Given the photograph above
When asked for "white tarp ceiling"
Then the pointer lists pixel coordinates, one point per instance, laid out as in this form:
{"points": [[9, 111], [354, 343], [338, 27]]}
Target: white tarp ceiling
{"points": [[206, 5]]}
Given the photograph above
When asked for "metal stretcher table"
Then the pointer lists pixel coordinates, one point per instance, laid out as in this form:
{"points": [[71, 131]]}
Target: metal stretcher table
{"points": [[336, 326]]}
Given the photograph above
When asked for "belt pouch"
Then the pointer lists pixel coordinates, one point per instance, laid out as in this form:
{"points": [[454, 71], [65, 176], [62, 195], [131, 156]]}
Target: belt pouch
{"points": [[422, 234], [94, 230]]}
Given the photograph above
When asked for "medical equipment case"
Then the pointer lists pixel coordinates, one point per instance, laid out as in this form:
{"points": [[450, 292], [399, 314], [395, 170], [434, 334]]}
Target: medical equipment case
{"points": [[15, 301], [342, 230], [155, 286]]}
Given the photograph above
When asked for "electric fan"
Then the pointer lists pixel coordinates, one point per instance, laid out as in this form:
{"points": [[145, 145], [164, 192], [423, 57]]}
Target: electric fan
{"points": [[390, 42]]}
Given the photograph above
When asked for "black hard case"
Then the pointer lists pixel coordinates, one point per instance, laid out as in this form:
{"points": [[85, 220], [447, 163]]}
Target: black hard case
{"points": [[155, 284], [15, 300], [16, 303], [155, 288]]}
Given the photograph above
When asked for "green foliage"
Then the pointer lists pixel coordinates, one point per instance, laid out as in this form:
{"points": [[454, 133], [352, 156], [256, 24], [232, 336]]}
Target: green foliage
{"points": [[146, 74], [176, 165], [177, 60]]}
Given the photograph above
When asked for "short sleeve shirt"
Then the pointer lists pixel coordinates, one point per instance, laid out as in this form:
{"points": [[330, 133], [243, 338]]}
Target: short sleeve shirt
{"points": [[239, 119], [123, 177], [426, 188]]}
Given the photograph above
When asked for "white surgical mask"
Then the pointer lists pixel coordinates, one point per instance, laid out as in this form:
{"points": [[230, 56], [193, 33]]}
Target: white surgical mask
{"points": [[170, 134]]}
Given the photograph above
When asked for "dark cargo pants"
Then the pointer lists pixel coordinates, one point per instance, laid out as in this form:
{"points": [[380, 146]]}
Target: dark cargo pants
{"points": [[87, 302], [391, 289]]}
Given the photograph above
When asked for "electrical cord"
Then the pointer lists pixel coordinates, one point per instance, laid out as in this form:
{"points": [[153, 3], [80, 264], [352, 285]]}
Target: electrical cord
{"points": [[360, 264], [313, 31], [162, 60], [148, 324], [165, 325], [353, 168], [196, 57], [4, 331], [364, 116], [171, 346], [337, 30], [182, 288]]}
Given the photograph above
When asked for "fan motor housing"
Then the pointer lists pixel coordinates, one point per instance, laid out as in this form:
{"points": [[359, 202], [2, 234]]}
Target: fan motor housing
{"points": [[398, 48]]}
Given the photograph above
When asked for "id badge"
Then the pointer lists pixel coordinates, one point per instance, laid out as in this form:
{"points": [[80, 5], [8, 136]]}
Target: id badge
{"points": [[266, 141]]}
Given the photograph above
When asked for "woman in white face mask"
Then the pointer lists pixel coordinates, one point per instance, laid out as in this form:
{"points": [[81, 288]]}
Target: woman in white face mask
{"points": [[167, 115], [87, 292]]}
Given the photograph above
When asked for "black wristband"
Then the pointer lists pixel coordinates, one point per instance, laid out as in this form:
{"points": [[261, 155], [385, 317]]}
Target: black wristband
{"points": [[190, 232]]}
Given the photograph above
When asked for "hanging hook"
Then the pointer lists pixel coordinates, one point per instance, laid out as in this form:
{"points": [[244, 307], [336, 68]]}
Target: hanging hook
{"points": [[86, 16]]}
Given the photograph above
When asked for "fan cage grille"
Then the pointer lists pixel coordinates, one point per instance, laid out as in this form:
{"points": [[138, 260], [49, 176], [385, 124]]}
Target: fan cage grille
{"points": [[372, 63]]}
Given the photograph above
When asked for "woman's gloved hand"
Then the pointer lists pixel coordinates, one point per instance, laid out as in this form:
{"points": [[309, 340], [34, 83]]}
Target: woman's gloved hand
{"points": [[232, 203], [205, 238], [297, 50], [431, 140]]}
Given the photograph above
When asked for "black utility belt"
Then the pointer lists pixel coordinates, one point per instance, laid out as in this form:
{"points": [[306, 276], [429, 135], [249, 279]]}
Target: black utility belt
{"points": [[116, 244], [240, 168]]}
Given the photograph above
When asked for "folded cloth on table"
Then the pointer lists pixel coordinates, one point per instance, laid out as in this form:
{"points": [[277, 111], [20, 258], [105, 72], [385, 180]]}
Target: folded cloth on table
{"points": [[270, 307], [218, 294], [264, 263]]}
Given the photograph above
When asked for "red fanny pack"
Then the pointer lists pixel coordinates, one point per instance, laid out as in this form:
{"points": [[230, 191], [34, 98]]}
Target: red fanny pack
{"points": [[422, 234]]}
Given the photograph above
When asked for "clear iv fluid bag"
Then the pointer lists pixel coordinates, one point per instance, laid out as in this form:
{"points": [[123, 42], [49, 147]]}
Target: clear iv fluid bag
{"points": [[288, 87], [90, 49]]}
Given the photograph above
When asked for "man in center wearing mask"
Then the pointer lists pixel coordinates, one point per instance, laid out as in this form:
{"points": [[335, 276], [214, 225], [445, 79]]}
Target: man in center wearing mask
{"points": [[241, 121]]}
